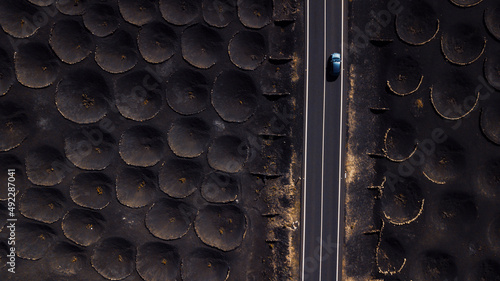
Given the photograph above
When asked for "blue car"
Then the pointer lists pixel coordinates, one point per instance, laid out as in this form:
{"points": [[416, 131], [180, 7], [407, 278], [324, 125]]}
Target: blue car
{"points": [[334, 64]]}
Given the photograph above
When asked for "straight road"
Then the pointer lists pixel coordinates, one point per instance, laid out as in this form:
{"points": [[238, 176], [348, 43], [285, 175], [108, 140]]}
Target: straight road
{"points": [[322, 217]]}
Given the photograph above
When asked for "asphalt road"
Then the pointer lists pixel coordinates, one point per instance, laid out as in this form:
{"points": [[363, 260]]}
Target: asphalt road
{"points": [[322, 217]]}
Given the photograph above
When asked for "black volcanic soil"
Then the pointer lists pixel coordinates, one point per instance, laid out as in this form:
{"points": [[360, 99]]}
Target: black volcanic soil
{"points": [[423, 146], [142, 136]]}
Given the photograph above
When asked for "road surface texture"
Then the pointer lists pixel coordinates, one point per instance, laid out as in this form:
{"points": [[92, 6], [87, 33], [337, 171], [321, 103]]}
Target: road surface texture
{"points": [[324, 142], [422, 186]]}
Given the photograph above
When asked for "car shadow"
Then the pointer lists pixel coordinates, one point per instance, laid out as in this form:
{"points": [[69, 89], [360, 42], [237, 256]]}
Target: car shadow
{"points": [[330, 77]]}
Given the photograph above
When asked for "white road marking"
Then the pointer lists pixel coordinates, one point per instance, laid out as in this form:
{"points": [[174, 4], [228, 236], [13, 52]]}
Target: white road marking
{"points": [[304, 178], [323, 141], [339, 221]]}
